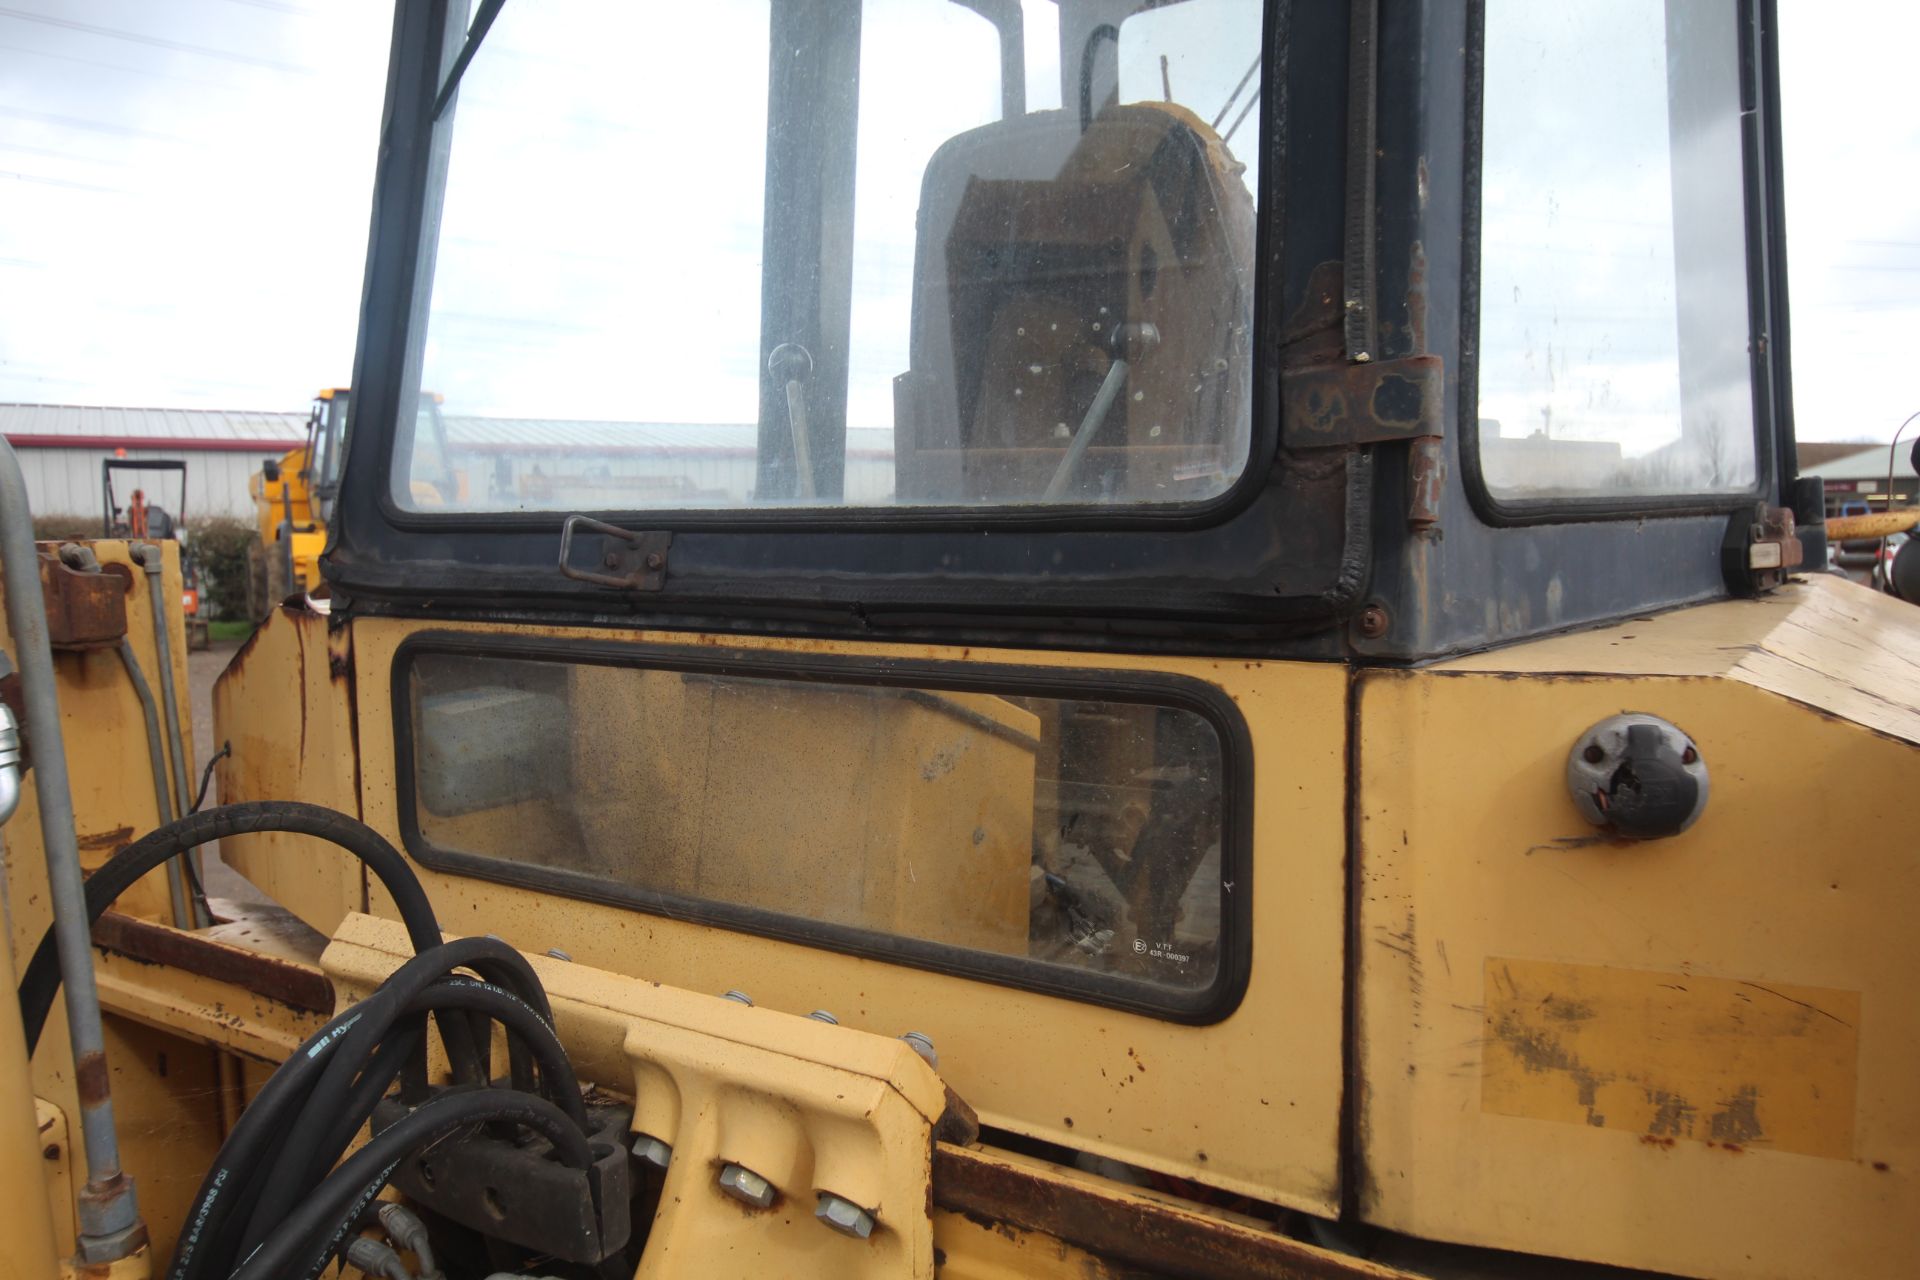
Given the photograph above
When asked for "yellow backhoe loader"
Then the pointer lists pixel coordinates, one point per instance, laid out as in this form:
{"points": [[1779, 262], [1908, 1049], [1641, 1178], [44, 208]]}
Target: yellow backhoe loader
{"points": [[1327, 755], [292, 495]]}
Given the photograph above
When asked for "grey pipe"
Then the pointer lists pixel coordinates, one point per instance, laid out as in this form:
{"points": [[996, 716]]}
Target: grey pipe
{"points": [[153, 561], [1145, 336], [110, 1225], [162, 789]]}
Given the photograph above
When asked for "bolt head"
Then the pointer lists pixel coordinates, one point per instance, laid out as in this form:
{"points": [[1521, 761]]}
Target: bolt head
{"points": [[922, 1044], [652, 1151], [746, 1186], [844, 1216], [737, 996]]}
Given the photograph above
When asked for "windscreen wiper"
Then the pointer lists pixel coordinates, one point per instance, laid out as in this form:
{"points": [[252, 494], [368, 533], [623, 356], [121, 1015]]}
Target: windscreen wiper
{"points": [[476, 32]]}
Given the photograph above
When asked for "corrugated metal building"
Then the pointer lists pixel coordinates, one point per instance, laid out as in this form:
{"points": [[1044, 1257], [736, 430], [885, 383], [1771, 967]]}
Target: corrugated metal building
{"points": [[596, 463], [609, 463], [1857, 481], [61, 448]]}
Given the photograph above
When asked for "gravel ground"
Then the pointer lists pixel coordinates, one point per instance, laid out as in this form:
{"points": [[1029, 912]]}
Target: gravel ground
{"points": [[203, 668]]}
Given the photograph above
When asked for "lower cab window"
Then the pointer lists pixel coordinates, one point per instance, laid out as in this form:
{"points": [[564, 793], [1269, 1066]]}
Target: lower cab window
{"points": [[1045, 840]]}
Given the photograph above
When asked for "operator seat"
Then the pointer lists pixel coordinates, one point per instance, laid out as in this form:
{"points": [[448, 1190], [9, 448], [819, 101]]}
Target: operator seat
{"points": [[1036, 240]]}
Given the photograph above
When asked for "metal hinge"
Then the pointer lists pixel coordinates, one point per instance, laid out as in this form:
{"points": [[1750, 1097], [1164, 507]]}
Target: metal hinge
{"points": [[629, 560], [1336, 405]]}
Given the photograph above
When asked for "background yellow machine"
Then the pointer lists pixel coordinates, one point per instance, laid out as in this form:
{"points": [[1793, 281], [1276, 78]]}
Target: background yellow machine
{"points": [[292, 495], [1237, 800]]}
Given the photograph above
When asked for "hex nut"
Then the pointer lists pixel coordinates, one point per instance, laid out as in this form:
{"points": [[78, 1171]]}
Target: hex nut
{"points": [[746, 1186], [844, 1216], [652, 1151]]}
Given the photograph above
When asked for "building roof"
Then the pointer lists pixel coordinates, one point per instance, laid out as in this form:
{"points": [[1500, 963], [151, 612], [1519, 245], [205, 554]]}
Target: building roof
{"points": [[73, 426], [1816, 454], [1868, 463], [565, 435]]}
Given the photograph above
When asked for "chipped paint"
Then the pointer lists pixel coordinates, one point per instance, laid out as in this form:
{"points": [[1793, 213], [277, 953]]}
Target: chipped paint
{"points": [[1734, 1064]]}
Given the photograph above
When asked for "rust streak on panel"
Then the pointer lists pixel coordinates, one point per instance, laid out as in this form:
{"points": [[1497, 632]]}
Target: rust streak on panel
{"points": [[1129, 1230], [294, 985], [116, 839]]}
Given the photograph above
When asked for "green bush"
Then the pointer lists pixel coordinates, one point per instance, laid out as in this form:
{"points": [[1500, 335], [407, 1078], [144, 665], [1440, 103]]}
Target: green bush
{"points": [[59, 528], [220, 546]]}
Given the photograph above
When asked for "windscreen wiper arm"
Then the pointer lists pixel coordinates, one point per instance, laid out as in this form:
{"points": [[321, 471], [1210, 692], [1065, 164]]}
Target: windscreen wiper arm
{"points": [[476, 32]]}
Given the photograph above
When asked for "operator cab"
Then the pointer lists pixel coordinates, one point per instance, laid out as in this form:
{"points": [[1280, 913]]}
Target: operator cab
{"points": [[917, 482]]}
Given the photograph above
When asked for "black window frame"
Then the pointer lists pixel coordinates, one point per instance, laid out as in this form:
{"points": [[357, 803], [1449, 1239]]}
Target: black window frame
{"points": [[1758, 215], [1200, 1006], [1234, 560]]}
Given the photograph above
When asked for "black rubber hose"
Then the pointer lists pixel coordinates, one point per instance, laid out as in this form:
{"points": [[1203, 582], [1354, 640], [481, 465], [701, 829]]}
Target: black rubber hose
{"points": [[559, 1084], [234, 1186], [228, 1185], [41, 982], [305, 1157], [305, 1242]]}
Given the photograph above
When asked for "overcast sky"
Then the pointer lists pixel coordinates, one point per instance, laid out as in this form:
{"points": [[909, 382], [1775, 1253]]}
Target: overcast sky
{"points": [[184, 195]]}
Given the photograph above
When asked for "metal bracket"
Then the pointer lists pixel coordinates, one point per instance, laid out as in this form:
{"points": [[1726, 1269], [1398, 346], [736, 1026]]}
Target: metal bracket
{"points": [[515, 1191], [629, 560], [1334, 405]]}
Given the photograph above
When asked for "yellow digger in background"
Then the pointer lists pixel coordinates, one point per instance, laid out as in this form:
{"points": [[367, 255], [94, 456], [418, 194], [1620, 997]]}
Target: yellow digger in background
{"points": [[292, 495]]}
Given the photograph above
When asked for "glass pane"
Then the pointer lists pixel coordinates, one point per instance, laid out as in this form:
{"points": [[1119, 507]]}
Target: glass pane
{"points": [[1613, 285], [1076, 833], [822, 254]]}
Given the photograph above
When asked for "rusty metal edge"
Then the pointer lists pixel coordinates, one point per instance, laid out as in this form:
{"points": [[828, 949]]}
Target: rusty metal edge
{"points": [[294, 985], [1128, 1229]]}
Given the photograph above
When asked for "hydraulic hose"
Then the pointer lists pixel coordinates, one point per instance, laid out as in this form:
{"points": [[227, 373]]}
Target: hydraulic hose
{"points": [[262, 1163], [306, 1153], [306, 1241], [41, 981]]}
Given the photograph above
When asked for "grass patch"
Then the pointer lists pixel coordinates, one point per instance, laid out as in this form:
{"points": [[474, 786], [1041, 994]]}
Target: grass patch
{"points": [[229, 629]]}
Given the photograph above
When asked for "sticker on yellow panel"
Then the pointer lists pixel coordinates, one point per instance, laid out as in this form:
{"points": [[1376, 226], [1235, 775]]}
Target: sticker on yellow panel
{"points": [[1672, 1056]]}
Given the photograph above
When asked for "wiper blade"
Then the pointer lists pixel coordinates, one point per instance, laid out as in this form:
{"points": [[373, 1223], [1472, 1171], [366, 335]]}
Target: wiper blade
{"points": [[476, 32]]}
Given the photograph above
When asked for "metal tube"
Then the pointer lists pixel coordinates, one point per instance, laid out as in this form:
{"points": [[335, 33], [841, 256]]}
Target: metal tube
{"points": [[1089, 427], [110, 1224], [162, 790], [154, 562]]}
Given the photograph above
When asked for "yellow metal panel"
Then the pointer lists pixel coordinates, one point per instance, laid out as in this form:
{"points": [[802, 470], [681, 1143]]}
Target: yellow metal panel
{"points": [[1798, 880], [1822, 640], [1117, 1084], [1672, 1056], [29, 1127], [283, 704], [56, 1151]]}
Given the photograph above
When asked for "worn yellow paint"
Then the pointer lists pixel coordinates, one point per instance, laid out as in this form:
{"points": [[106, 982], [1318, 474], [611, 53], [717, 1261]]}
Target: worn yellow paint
{"points": [[286, 712], [1117, 1084], [28, 1126], [1799, 877], [202, 1009], [992, 1251], [1822, 641], [1672, 1056], [114, 801]]}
